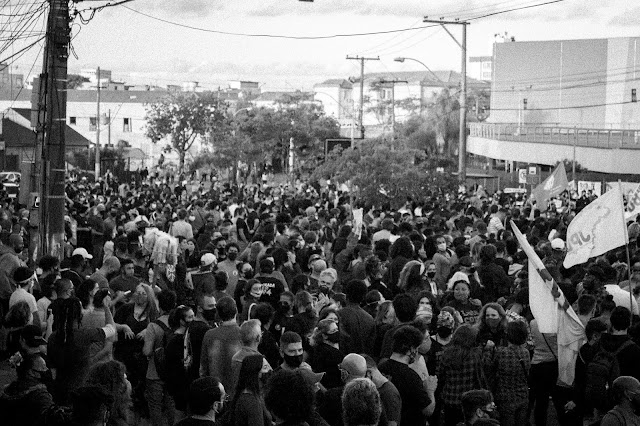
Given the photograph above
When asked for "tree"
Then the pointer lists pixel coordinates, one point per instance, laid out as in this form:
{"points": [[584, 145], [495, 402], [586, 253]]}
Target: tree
{"points": [[381, 175], [74, 81], [185, 118]]}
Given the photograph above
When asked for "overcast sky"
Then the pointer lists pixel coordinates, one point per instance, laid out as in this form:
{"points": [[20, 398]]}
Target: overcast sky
{"points": [[140, 49]]}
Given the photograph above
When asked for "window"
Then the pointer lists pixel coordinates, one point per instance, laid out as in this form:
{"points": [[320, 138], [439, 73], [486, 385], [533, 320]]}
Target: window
{"points": [[93, 124], [486, 65], [72, 121], [126, 125]]}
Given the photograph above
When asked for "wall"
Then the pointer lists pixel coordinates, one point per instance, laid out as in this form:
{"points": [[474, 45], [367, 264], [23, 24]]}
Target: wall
{"points": [[560, 78]]}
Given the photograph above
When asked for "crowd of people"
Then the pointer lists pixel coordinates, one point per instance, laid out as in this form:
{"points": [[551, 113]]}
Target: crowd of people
{"points": [[272, 305]]}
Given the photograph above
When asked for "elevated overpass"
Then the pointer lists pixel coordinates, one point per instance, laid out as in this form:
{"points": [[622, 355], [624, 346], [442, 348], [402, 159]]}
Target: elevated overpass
{"points": [[599, 150]]}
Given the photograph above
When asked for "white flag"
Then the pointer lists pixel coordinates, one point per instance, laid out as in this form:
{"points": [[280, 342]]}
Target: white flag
{"points": [[633, 204], [357, 222], [598, 228]]}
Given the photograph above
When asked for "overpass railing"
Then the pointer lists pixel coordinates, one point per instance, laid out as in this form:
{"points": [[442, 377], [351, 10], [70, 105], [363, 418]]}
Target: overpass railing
{"points": [[584, 137]]}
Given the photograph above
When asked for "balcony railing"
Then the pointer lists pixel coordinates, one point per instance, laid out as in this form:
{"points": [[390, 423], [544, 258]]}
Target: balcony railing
{"points": [[591, 138]]}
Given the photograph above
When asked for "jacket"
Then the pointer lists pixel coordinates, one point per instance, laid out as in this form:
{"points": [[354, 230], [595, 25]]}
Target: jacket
{"points": [[28, 402]]}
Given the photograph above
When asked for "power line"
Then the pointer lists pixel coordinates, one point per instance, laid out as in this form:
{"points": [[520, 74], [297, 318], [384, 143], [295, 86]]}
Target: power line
{"points": [[280, 36], [515, 9]]}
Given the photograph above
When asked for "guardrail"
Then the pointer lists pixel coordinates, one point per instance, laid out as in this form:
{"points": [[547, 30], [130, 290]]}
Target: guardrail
{"points": [[591, 138]]}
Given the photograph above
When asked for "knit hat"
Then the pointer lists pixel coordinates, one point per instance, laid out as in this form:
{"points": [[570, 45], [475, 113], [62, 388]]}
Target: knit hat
{"points": [[445, 319]]}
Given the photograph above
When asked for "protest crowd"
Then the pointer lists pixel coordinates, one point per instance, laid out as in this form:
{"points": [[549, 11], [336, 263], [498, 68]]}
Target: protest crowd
{"points": [[267, 304]]}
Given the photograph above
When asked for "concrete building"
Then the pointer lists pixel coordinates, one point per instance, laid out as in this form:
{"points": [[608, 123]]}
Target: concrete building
{"points": [[480, 67], [276, 99], [336, 97], [9, 80], [548, 97], [247, 89]]}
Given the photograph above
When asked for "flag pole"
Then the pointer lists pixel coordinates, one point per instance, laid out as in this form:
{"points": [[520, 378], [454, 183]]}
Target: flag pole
{"points": [[626, 247]]}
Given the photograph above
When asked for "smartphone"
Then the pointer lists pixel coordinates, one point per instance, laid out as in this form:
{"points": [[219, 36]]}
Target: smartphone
{"points": [[128, 292]]}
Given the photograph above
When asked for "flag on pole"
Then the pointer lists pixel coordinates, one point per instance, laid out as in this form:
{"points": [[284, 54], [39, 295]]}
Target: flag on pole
{"points": [[552, 311], [551, 187], [633, 204], [598, 228]]}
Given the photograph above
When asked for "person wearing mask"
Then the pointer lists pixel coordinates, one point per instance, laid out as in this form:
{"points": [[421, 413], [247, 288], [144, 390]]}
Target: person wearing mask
{"points": [[305, 319], [230, 266], [478, 408], [418, 398], [206, 311], [204, 281], [206, 400], [626, 394], [221, 343], [492, 326], [442, 260], [283, 314], [326, 354], [292, 352], [430, 278], [155, 392], [389, 395], [445, 324]]}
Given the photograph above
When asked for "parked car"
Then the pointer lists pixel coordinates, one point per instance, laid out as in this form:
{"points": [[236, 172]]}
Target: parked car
{"points": [[10, 182]]}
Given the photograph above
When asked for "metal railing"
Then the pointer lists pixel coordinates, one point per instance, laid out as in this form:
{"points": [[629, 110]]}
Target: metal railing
{"points": [[584, 137]]}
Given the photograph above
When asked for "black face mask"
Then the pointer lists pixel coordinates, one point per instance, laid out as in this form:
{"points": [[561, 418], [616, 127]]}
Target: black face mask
{"points": [[334, 338], [232, 256], [444, 332], [293, 361], [431, 274], [284, 307], [209, 314]]}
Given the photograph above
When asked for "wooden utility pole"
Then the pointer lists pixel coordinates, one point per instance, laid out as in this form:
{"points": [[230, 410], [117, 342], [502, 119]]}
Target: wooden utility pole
{"points": [[361, 110], [462, 144], [51, 125]]}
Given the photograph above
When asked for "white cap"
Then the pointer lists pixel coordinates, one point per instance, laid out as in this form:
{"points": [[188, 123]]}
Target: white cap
{"points": [[83, 252], [557, 244], [208, 259]]}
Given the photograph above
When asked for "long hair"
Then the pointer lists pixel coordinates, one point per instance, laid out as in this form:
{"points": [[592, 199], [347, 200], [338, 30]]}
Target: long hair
{"points": [[110, 376], [482, 324], [248, 379], [67, 314], [383, 309], [462, 342], [320, 331], [410, 275], [83, 292], [151, 310], [304, 300]]}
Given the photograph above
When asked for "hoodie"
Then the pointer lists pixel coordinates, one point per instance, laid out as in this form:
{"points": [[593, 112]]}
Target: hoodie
{"points": [[28, 402], [627, 358]]}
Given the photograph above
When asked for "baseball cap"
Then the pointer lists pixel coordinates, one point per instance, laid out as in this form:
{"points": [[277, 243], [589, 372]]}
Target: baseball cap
{"points": [[100, 207], [208, 259], [354, 364], [82, 252], [32, 336], [557, 244]]}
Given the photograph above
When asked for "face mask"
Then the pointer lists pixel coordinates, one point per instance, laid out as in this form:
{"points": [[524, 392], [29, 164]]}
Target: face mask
{"points": [[284, 307], [344, 376], [209, 314], [232, 256], [493, 322], [431, 274], [256, 293], [334, 337], [442, 247], [139, 299], [293, 361], [444, 332]]}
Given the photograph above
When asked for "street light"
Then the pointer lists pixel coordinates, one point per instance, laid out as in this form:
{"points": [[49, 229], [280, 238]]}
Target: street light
{"points": [[402, 59]]}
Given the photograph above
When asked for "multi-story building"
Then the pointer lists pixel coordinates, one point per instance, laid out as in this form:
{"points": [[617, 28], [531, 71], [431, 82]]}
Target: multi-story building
{"points": [[336, 96], [564, 99], [9, 80], [480, 67]]}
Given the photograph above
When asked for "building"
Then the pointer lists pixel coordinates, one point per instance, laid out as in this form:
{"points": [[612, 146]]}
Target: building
{"points": [[247, 89], [18, 139], [336, 96], [276, 99], [480, 67], [549, 96], [9, 80]]}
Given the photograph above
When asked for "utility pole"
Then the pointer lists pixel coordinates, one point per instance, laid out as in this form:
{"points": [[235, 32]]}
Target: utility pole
{"points": [[51, 125], [361, 111], [393, 103], [109, 128], [97, 166], [462, 144]]}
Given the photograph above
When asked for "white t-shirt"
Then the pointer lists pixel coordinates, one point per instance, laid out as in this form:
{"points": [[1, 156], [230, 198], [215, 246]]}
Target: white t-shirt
{"points": [[23, 295]]}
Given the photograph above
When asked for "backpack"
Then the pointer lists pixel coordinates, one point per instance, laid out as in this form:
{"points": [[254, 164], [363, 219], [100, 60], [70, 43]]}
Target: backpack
{"points": [[602, 370], [159, 355]]}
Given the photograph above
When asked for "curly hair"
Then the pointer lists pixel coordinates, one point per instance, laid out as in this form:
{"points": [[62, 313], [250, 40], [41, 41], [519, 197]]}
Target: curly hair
{"points": [[289, 396], [111, 377]]}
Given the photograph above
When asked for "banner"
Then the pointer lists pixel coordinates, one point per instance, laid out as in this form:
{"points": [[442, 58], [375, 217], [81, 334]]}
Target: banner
{"points": [[551, 187], [598, 228], [357, 222], [633, 204], [552, 311]]}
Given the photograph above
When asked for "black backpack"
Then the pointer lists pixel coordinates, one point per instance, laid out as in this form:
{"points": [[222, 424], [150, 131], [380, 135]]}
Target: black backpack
{"points": [[159, 355], [602, 370]]}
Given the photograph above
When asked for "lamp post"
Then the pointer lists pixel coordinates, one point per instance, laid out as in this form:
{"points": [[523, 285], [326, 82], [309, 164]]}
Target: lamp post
{"points": [[403, 58]]}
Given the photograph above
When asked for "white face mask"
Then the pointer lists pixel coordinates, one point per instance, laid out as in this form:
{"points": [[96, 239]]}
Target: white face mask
{"points": [[442, 246]]}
